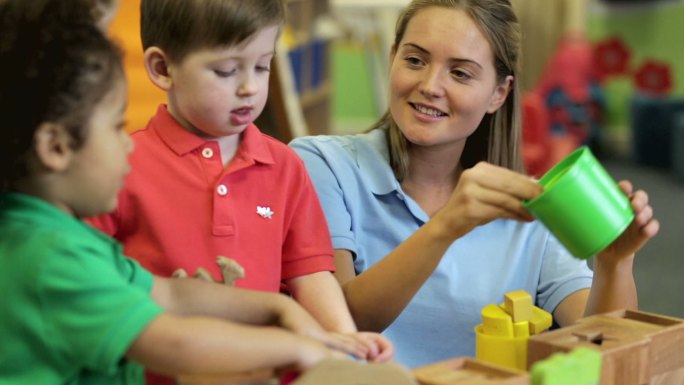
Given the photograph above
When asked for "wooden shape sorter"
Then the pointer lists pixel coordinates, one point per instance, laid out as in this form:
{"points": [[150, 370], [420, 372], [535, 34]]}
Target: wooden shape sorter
{"points": [[468, 371], [636, 346]]}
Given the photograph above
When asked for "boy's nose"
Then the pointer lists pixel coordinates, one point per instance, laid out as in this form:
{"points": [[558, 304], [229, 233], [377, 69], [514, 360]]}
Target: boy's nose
{"points": [[248, 86]]}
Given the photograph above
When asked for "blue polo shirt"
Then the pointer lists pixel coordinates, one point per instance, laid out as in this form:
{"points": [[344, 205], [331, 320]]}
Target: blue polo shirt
{"points": [[369, 214]]}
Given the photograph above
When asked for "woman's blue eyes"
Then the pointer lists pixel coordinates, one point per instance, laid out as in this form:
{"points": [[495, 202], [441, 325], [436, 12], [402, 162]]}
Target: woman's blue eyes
{"points": [[415, 62], [460, 74]]}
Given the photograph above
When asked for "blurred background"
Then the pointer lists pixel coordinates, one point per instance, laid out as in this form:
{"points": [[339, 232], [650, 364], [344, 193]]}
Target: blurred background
{"points": [[608, 74]]}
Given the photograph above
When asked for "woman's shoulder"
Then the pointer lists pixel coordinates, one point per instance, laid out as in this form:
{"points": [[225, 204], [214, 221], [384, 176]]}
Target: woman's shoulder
{"points": [[337, 145]]}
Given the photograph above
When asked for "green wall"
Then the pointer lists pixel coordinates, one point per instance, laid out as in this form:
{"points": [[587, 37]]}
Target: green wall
{"points": [[354, 107], [650, 32]]}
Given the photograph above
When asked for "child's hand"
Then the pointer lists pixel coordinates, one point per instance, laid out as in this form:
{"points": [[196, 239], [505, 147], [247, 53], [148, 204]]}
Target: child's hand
{"points": [[312, 352], [642, 228], [294, 317], [379, 348], [366, 346]]}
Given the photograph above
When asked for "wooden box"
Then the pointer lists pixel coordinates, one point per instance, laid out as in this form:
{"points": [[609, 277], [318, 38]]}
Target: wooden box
{"points": [[636, 346], [468, 371]]}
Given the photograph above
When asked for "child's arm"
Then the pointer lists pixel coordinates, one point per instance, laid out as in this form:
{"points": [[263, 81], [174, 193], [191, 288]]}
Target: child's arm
{"points": [[176, 345], [197, 297], [191, 297], [322, 296]]}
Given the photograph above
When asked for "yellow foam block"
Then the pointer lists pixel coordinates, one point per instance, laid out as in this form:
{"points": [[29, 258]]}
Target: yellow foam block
{"points": [[540, 321], [519, 305], [510, 352], [521, 329], [496, 322]]}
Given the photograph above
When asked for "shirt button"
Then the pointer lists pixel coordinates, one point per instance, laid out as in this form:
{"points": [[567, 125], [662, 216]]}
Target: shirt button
{"points": [[222, 190], [207, 152]]}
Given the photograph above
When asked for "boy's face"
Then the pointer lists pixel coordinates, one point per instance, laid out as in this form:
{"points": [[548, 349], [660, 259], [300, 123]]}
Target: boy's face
{"points": [[218, 92], [97, 169]]}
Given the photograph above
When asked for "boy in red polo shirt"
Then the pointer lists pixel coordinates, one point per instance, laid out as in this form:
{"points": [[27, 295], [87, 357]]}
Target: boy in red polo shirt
{"points": [[205, 182]]}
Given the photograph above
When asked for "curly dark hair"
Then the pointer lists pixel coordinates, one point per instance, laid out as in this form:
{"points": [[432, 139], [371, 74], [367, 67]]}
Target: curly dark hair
{"points": [[55, 66]]}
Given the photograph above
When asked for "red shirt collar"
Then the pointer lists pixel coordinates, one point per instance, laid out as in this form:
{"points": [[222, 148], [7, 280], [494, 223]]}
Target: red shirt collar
{"points": [[181, 141]]}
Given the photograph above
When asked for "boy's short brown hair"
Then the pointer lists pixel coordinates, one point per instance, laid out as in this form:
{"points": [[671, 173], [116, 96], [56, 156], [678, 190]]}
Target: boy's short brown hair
{"points": [[179, 27]]}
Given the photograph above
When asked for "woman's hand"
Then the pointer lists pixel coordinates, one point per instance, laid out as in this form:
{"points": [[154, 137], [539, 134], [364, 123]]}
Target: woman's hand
{"points": [[643, 227], [484, 193]]}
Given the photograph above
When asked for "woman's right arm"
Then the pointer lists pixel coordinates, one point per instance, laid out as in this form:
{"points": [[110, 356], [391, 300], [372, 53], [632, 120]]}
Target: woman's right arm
{"points": [[484, 193]]}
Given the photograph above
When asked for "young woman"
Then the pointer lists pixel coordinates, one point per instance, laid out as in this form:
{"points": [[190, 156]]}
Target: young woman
{"points": [[425, 209]]}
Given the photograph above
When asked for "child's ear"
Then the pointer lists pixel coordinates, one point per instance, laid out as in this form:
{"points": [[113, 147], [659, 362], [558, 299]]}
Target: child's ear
{"points": [[53, 146], [157, 67]]}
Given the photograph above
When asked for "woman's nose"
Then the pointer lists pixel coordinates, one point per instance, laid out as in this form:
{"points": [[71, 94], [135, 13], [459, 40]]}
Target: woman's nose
{"points": [[432, 85]]}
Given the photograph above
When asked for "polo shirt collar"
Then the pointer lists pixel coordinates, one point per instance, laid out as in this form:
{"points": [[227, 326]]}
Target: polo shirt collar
{"points": [[180, 141], [373, 157], [253, 145]]}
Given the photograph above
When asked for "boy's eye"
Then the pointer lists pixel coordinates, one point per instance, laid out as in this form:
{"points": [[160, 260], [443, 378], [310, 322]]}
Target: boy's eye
{"points": [[224, 74], [263, 68]]}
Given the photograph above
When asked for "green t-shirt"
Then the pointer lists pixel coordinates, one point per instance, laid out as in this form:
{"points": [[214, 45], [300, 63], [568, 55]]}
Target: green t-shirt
{"points": [[72, 303]]}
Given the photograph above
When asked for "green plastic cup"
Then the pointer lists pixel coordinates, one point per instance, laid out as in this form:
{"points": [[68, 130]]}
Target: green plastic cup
{"points": [[581, 204]]}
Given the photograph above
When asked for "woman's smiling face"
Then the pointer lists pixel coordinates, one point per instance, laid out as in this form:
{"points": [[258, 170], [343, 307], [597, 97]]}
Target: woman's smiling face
{"points": [[442, 78]]}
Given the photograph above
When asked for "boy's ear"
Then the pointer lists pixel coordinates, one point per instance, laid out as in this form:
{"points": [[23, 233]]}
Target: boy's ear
{"points": [[53, 146], [157, 67]]}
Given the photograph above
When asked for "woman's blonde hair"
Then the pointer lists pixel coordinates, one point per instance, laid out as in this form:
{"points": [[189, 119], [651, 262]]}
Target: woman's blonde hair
{"points": [[497, 138]]}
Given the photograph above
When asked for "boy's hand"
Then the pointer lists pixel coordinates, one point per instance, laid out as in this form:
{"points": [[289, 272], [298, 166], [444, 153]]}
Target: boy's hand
{"points": [[367, 346], [379, 348], [642, 228], [362, 345], [311, 353]]}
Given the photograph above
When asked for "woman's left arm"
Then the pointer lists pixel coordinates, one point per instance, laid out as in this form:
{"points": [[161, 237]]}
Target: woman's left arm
{"points": [[613, 286]]}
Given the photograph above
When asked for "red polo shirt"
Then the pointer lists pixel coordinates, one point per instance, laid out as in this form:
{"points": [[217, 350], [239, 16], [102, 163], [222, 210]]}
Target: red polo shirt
{"points": [[181, 207]]}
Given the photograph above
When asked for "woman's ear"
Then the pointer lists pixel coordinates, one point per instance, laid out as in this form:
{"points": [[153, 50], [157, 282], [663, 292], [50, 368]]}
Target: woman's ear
{"points": [[500, 94], [157, 67], [53, 146], [392, 54]]}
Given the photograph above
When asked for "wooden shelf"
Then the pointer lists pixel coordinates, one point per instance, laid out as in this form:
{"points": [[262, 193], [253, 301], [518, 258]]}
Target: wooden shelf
{"points": [[299, 100], [316, 96]]}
